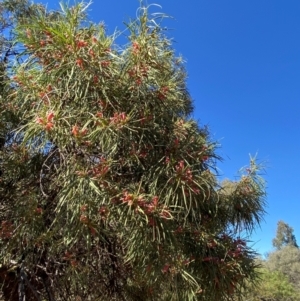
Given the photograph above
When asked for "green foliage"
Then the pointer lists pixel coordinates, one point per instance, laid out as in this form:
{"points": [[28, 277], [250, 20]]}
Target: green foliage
{"points": [[287, 261], [284, 236], [273, 286], [11, 12], [108, 187], [280, 271]]}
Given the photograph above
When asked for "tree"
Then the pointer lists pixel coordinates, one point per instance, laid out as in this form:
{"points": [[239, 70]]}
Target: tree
{"points": [[287, 261], [284, 236], [280, 271], [272, 286], [108, 187]]}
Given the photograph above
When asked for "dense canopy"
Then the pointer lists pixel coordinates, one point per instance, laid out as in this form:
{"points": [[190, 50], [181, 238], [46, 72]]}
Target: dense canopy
{"points": [[108, 186]]}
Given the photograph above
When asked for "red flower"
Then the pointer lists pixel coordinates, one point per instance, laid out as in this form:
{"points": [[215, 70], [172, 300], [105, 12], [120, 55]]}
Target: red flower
{"points": [[131, 72], [100, 170], [39, 210], [75, 130], [68, 255], [180, 166], [166, 268], [128, 198], [83, 208], [135, 47], [42, 94], [162, 93], [92, 53], [49, 126], [79, 63], [104, 64], [50, 116], [212, 244], [74, 263], [155, 201], [83, 132], [151, 222], [48, 34], [39, 120], [93, 231], [165, 214], [84, 219], [77, 133], [118, 118], [81, 43], [103, 210]]}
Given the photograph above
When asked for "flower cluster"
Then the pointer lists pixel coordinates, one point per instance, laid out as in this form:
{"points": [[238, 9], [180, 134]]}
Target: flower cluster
{"points": [[162, 93], [100, 170], [135, 48], [138, 73], [79, 133], [119, 119], [151, 209], [85, 220], [183, 172], [46, 122]]}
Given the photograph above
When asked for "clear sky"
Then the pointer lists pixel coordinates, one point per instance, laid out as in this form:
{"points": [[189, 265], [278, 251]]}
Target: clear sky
{"points": [[243, 64]]}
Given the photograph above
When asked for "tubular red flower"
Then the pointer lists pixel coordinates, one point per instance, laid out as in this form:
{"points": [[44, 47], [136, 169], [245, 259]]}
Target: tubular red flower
{"points": [[39, 120], [75, 130], [50, 116]]}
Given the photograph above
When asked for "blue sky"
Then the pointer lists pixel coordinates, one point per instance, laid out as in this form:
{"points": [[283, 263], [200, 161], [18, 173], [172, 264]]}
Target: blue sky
{"points": [[243, 64]]}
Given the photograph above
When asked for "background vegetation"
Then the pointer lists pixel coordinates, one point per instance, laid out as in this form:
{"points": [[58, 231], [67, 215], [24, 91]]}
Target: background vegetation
{"points": [[280, 270]]}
